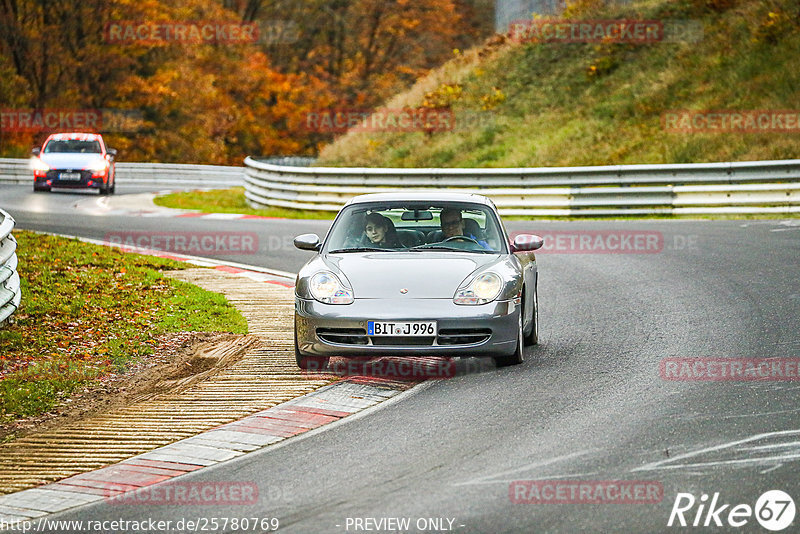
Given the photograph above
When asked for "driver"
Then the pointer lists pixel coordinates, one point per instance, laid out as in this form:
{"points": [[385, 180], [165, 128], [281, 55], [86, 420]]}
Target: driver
{"points": [[453, 226]]}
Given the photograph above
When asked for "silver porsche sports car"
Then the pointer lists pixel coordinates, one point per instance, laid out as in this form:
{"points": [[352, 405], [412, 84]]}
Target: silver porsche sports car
{"points": [[416, 274]]}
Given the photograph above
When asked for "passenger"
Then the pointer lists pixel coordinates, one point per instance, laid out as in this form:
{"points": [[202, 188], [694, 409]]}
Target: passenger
{"points": [[380, 231]]}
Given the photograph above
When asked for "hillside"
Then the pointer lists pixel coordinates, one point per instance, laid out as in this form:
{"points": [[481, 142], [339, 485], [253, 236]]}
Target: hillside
{"points": [[559, 104]]}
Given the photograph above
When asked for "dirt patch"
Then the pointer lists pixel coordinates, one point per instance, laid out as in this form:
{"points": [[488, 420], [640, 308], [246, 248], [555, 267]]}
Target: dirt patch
{"points": [[178, 362]]}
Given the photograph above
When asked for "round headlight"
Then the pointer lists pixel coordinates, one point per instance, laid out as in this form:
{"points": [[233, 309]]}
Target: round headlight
{"points": [[326, 288], [487, 286], [482, 289]]}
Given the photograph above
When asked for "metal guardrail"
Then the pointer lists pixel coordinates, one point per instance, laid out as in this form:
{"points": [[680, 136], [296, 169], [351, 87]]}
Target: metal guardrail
{"points": [[18, 171], [757, 187], [10, 293]]}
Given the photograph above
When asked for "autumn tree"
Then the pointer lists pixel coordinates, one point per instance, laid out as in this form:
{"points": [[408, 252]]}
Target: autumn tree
{"points": [[217, 102]]}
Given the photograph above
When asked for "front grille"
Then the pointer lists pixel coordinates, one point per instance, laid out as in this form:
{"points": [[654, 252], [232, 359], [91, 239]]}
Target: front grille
{"points": [[387, 341], [344, 336], [54, 175], [463, 336]]}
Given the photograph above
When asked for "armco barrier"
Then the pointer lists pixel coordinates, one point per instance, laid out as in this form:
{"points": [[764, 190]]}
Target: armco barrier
{"points": [[758, 187], [10, 294], [18, 171]]}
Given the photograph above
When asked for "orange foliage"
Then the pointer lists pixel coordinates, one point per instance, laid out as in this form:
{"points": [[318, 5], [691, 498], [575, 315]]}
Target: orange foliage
{"points": [[219, 102]]}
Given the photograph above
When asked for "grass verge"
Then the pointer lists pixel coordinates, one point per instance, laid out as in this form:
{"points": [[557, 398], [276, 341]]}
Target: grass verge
{"points": [[88, 312], [231, 201]]}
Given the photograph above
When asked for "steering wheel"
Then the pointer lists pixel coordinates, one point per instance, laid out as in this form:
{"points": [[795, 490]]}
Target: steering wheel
{"points": [[461, 238]]}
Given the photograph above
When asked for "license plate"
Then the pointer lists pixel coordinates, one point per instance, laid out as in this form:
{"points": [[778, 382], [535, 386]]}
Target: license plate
{"points": [[401, 328], [69, 176]]}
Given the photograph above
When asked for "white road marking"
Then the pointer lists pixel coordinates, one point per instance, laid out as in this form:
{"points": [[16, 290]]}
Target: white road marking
{"points": [[540, 463], [662, 464], [773, 468], [772, 446], [567, 476]]}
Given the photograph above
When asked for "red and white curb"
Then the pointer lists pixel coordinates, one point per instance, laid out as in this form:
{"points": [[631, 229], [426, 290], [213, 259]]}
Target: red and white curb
{"points": [[326, 405]]}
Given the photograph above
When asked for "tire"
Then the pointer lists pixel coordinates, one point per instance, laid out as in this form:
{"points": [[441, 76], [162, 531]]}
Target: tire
{"points": [[533, 336], [41, 189], [309, 363], [519, 354]]}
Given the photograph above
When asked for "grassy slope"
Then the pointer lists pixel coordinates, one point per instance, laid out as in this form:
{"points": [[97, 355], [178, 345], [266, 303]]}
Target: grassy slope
{"points": [[555, 113], [88, 311]]}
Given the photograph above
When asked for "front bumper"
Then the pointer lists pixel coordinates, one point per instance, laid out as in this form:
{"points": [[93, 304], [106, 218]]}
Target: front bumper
{"points": [[53, 179], [464, 331]]}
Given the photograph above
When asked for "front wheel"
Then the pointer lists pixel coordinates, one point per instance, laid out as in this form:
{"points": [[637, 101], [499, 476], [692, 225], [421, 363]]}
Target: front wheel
{"points": [[519, 354]]}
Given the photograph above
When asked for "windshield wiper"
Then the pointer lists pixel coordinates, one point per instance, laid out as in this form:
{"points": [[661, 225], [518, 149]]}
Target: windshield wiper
{"points": [[361, 249], [421, 248]]}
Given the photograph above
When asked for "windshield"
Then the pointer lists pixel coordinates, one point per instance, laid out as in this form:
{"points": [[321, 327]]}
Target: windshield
{"points": [[413, 227], [73, 146]]}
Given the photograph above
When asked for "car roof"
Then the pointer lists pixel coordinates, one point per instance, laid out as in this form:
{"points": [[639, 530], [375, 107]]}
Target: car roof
{"points": [[75, 136], [422, 196]]}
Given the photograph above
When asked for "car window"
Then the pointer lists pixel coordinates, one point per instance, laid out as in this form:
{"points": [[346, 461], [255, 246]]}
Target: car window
{"points": [[416, 227], [73, 146]]}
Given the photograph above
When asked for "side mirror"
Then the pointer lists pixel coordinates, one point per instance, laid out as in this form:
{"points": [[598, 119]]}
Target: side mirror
{"points": [[307, 242], [112, 152], [36, 151], [526, 243]]}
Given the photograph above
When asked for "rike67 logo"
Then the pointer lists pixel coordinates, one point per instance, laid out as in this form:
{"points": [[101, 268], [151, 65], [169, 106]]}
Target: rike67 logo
{"points": [[774, 510]]}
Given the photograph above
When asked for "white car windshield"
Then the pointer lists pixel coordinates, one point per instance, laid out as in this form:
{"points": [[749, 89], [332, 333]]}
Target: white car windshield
{"points": [[73, 146], [414, 227]]}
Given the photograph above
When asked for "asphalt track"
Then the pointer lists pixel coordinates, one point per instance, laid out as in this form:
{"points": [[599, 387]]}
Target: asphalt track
{"points": [[588, 404]]}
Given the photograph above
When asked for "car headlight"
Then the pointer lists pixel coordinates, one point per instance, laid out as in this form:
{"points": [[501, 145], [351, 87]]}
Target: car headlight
{"points": [[482, 289], [328, 289], [39, 165], [99, 165]]}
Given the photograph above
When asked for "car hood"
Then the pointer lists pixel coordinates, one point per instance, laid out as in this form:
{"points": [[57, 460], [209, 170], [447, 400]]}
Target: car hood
{"points": [[60, 160], [377, 275]]}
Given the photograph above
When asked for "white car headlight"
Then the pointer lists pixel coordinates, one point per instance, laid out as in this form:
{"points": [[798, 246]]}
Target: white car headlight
{"points": [[482, 289], [39, 165], [99, 165], [328, 289]]}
